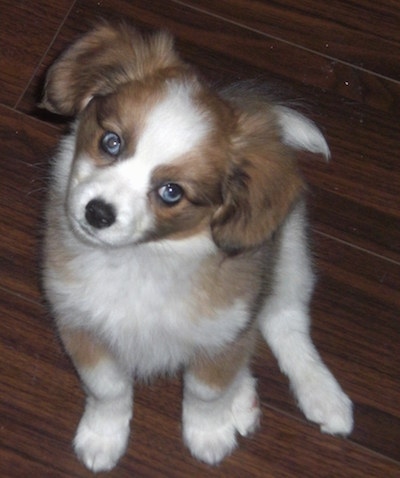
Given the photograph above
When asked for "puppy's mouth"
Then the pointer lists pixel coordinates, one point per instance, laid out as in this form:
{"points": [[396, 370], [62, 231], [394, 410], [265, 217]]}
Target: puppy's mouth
{"points": [[86, 233]]}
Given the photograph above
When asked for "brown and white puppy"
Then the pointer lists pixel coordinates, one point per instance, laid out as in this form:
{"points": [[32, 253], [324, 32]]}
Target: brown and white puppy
{"points": [[175, 230]]}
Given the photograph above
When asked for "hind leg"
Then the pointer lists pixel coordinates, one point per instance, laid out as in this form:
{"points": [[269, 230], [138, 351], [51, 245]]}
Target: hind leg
{"points": [[285, 324], [319, 395]]}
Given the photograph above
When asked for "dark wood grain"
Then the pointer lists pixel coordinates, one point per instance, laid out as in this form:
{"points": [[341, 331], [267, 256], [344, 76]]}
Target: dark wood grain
{"points": [[360, 40], [26, 31], [362, 33], [351, 89], [26, 148]]}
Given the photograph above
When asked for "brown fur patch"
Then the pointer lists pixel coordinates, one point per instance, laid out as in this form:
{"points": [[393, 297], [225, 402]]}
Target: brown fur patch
{"points": [[84, 349], [102, 59], [219, 371], [223, 280]]}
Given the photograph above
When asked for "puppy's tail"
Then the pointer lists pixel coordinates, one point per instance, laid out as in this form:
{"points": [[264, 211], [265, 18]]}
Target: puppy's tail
{"points": [[300, 132]]}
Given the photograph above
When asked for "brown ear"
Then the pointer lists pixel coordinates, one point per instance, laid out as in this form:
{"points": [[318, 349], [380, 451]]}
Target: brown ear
{"points": [[100, 61], [261, 185]]}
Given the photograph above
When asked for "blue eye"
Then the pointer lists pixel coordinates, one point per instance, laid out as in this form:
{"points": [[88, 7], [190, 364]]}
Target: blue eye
{"points": [[170, 193], [111, 143]]}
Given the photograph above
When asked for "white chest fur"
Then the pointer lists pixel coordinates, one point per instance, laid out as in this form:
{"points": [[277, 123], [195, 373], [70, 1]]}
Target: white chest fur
{"points": [[145, 301]]}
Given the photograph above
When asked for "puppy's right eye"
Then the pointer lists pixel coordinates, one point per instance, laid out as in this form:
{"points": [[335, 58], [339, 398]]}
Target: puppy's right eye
{"points": [[111, 143]]}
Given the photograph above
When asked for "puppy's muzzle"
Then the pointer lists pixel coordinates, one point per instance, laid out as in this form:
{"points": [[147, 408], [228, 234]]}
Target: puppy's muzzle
{"points": [[100, 214]]}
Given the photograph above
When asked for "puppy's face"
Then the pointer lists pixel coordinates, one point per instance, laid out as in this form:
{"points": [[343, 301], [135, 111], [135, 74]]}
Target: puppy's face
{"points": [[159, 155], [148, 164]]}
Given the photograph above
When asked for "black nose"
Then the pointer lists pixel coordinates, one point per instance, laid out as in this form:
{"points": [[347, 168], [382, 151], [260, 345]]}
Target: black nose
{"points": [[100, 214]]}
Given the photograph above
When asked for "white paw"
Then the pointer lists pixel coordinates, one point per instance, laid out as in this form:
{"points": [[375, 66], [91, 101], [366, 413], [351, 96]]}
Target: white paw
{"points": [[210, 431], [100, 451], [324, 402], [210, 443]]}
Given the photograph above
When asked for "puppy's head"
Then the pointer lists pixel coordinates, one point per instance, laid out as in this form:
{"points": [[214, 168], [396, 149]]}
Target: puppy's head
{"points": [[158, 155]]}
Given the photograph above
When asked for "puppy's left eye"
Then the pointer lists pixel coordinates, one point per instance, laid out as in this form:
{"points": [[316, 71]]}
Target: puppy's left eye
{"points": [[170, 193], [111, 143]]}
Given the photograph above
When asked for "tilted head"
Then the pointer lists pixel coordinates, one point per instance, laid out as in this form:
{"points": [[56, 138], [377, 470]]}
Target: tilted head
{"points": [[158, 154]]}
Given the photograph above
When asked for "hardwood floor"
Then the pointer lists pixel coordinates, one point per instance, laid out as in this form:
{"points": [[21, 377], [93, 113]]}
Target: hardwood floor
{"points": [[341, 59]]}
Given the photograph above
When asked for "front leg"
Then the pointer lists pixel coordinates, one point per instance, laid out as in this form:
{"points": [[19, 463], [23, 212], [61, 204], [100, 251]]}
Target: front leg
{"points": [[220, 399], [103, 431]]}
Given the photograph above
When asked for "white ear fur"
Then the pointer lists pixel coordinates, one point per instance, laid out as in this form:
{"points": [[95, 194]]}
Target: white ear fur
{"points": [[300, 132]]}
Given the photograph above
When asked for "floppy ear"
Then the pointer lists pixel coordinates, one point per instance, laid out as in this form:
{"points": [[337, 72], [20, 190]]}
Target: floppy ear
{"points": [[100, 61], [262, 182]]}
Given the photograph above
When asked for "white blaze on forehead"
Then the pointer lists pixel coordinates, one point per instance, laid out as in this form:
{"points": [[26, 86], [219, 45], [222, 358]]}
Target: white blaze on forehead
{"points": [[173, 127]]}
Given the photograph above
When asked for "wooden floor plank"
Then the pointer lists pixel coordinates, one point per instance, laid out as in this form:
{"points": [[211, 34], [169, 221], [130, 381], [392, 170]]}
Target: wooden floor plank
{"points": [[360, 33], [27, 145], [26, 31], [351, 37]]}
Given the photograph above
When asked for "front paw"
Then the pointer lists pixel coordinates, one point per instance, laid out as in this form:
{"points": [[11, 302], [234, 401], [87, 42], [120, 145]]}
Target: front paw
{"points": [[100, 451], [210, 434], [209, 442]]}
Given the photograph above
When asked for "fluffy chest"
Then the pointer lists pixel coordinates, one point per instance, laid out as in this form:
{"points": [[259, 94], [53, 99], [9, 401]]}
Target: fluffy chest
{"points": [[151, 305]]}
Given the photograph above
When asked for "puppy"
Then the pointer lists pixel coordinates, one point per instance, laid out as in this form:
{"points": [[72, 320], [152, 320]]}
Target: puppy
{"points": [[175, 232]]}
